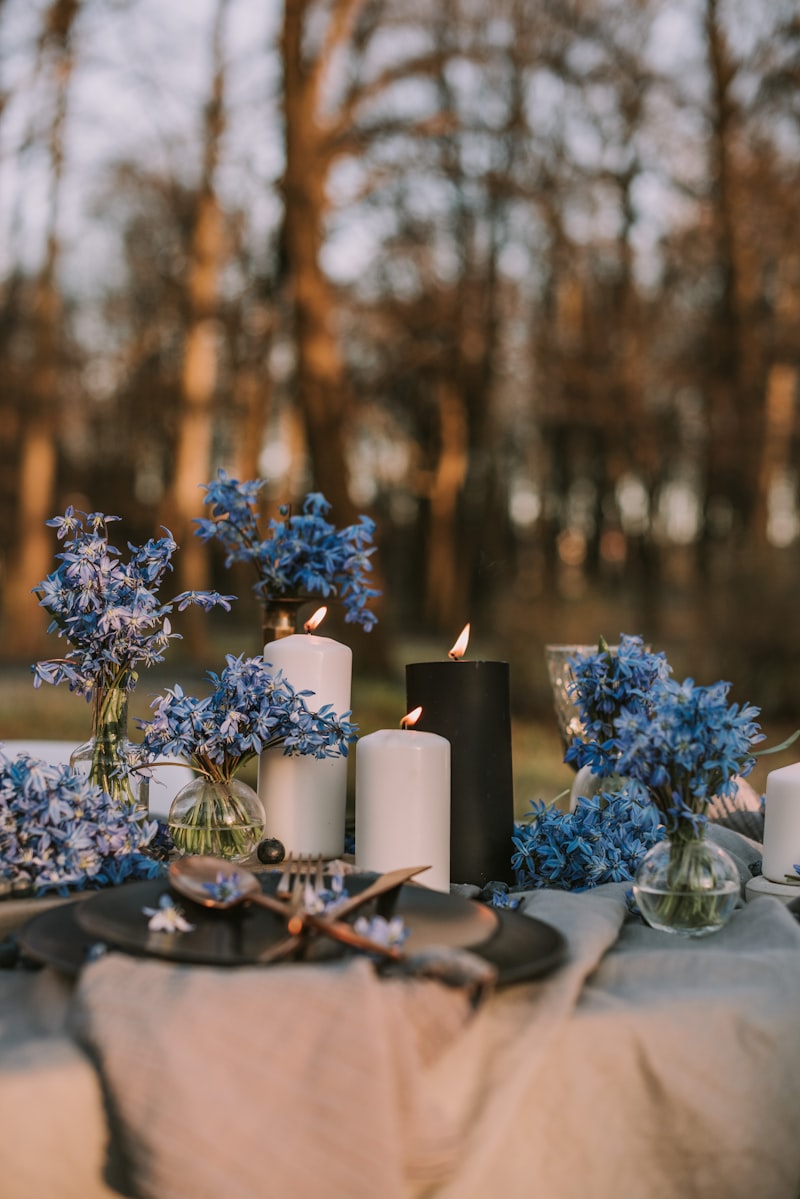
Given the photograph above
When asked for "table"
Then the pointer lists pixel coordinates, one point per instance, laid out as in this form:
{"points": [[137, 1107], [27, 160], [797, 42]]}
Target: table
{"points": [[647, 1067]]}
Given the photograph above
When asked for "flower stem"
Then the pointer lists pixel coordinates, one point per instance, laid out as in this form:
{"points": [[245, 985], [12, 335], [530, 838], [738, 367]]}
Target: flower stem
{"points": [[215, 821], [110, 765]]}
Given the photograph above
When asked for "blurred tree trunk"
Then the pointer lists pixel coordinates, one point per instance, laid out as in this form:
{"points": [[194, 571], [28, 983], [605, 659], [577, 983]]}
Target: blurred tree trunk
{"points": [[184, 499], [252, 400], [320, 384], [312, 142], [38, 457], [468, 542], [250, 323], [445, 596], [733, 422]]}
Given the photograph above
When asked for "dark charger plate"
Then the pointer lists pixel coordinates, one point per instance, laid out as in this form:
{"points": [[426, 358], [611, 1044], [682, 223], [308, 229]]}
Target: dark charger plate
{"points": [[520, 947]]}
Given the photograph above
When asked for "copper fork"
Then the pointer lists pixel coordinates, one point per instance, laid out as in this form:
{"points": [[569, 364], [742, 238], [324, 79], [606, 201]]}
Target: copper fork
{"points": [[298, 874]]}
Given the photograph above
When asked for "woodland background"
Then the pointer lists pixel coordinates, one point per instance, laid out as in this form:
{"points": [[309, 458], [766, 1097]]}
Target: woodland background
{"points": [[520, 279]]}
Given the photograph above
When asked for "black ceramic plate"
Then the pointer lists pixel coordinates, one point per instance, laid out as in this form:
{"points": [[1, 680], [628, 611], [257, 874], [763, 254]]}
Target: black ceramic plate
{"points": [[518, 946]]}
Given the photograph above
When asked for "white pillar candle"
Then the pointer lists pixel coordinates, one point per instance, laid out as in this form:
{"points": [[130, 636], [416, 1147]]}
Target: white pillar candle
{"points": [[781, 824], [305, 798], [403, 804]]}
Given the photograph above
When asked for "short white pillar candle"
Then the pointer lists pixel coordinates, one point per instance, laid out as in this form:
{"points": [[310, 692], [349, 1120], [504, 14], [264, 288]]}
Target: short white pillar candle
{"points": [[403, 804], [782, 823]]}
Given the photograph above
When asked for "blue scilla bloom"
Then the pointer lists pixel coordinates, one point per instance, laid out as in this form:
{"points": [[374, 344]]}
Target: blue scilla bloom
{"points": [[602, 840], [301, 554], [58, 832], [251, 708], [682, 743], [107, 608], [604, 685], [687, 746]]}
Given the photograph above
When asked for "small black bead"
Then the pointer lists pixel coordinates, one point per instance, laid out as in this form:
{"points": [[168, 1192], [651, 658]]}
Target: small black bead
{"points": [[271, 851]]}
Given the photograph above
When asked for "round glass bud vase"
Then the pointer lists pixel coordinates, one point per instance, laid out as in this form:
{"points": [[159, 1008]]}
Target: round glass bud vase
{"points": [[687, 886], [223, 818]]}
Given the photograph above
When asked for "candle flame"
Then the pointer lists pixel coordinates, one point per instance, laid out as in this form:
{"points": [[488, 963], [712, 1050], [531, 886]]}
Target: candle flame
{"points": [[460, 647], [315, 619], [411, 718]]}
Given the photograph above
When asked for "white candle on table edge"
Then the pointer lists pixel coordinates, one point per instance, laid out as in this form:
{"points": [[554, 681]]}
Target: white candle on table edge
{"points": [[305, 798], [403, 803], [781, 824]]}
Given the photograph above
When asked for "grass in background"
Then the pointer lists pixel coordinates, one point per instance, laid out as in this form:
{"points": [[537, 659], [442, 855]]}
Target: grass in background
{"points": [[55, 713]]}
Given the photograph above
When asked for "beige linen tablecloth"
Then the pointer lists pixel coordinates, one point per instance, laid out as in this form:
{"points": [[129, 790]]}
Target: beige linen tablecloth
{"points": [[646, 1067], [52, 1123]]}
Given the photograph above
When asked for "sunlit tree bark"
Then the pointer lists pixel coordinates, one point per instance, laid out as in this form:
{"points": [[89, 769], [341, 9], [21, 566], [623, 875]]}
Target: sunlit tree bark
{"points": [[39, 424], [321, 390], [198, 379]]}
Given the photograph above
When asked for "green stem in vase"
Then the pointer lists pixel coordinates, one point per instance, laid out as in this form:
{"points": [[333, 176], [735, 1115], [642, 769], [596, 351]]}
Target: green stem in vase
{"points": [[108, 756], [220, 817]]}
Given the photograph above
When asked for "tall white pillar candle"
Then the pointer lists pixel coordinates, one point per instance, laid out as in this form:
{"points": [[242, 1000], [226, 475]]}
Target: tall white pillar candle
{"points": [[305, 798], [781, 823], [403, 804]]}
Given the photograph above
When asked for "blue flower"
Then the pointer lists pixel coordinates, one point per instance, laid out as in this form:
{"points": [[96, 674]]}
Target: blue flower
{"points": [[168, 917], [391, 933], [106, 608], [302, 554], [251, 708], [504, 900], [58, 832], [602, 840], [605, 685], [682, 743], [225, 888]]}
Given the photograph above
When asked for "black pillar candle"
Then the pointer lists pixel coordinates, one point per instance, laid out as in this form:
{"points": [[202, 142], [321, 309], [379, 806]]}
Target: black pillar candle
{"points": [[469, 704]]}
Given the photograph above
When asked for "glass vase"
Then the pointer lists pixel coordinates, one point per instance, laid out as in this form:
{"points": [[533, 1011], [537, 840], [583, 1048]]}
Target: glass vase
{"points": [[223, 818], [558, 671], [109, 758], [688, 886]]}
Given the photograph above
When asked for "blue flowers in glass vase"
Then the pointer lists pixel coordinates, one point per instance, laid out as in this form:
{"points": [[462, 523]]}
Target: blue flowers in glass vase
{"points": [[109, 611], [250, 709], [662, 751], [681, 744], [302, 553]]}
